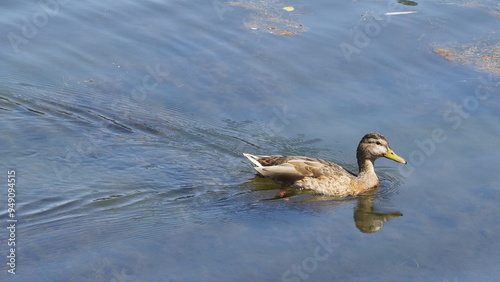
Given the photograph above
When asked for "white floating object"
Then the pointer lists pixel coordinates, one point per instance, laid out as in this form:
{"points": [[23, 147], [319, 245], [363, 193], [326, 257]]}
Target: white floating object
{"points": [[399, 13]]}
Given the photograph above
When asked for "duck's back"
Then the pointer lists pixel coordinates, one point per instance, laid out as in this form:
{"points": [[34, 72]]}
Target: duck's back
{"points": [[306, 173]]}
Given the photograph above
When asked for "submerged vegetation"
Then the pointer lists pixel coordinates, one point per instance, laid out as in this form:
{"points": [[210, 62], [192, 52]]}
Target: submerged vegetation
{"points": [[483, 55], [270, 16]]}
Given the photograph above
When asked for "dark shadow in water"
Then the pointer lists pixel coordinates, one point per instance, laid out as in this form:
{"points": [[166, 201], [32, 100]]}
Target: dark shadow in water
{"points": [[368, 218]]}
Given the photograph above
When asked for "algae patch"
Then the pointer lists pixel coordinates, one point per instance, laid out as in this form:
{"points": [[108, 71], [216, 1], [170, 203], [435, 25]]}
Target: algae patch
{"points": [[270, 16], [482, 54]]}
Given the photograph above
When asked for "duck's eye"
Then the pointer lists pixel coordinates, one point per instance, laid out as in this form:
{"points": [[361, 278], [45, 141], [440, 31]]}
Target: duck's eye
{"points": [[378, 143]]}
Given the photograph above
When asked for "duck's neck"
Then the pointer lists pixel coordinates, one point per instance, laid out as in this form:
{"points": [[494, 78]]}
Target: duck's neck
{"points": [[367, 175]]}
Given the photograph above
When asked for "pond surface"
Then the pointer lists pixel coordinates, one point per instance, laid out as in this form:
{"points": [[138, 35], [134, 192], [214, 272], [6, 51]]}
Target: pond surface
{"points": [[125, 126]]}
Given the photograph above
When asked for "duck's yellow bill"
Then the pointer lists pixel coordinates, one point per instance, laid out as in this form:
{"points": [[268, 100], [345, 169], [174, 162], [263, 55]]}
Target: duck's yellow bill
{"points": [[391, 155]]}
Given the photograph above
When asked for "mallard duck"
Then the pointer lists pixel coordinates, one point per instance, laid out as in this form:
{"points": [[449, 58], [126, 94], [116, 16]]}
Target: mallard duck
{"points": [[325, 177]]}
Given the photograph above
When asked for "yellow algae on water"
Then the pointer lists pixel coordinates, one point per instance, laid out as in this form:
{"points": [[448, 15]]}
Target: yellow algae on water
{"points": [[266, 16], [483, 54]]}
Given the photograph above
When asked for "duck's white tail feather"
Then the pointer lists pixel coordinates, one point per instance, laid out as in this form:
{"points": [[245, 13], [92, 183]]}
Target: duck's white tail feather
{"points": [[253, 159]]}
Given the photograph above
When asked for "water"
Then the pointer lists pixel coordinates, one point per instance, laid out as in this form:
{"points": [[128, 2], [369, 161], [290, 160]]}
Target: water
{"points": [[125, 127]]}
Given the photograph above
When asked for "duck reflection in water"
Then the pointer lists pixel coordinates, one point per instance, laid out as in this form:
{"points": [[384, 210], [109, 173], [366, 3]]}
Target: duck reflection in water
{"points": [[368, 220]]}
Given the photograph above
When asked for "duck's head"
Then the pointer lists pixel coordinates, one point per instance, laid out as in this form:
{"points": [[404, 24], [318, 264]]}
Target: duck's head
{"points": [[375, 145]]}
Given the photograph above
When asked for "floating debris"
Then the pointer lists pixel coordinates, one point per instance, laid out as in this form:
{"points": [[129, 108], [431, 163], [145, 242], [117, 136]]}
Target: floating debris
{"points": [[400, 13], [280, 31], [448, 54], [483, 54], [268, 16], [407, 2]]}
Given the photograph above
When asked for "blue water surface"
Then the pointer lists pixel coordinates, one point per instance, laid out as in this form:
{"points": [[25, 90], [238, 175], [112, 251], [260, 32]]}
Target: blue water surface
{"points": [[125, 123]]}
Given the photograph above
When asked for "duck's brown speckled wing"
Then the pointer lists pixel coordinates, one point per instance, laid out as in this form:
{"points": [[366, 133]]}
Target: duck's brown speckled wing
{"points": [[289, 169]]}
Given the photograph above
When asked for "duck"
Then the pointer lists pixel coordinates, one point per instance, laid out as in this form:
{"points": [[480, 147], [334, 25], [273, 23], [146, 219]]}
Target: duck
{"points": [[324, 177]]}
